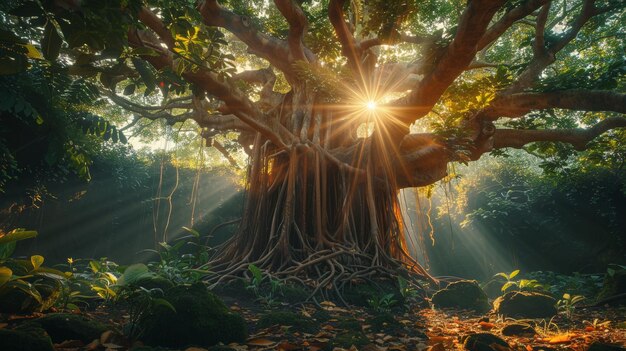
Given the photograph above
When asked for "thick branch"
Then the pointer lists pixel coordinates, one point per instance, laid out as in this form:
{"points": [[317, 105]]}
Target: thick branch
{"points": [[504, 23], [349, 47], [579, 138], [297, 27], [457, 56], [517, 105], [261, 44]]}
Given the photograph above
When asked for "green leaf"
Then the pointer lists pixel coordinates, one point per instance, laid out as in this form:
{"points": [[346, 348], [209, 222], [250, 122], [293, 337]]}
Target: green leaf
{"points": [[514, 274], [192, 231], [51, 42], [36, 260], [256, 273], [508, 285], [16, 234], [6, 250], [5, 275], [133, 273], [164, 303]]}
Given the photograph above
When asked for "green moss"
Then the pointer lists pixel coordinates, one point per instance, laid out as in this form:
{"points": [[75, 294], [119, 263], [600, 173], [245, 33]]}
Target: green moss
{"points": [[66, 326], [614, 284], [464, 294], [22, 340], [522, 304], [201, 319], [156, 282], [296, 321]]}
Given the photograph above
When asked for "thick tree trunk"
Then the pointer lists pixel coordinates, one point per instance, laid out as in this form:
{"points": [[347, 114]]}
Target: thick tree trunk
{"points": [[311, 220]]}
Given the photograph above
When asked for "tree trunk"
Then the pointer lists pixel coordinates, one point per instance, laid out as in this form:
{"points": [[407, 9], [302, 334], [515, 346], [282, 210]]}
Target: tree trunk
{"points": [[311, 219]]}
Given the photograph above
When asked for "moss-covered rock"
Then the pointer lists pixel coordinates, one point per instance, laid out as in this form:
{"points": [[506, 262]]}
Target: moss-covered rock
{"points": [[523, 304], [25, 340], [600, 346], [614, 284], [518, 329], [484, 342], [293, 293], [464, 294], [155, 282], [296, 321], [201, 319], [66, 326]]}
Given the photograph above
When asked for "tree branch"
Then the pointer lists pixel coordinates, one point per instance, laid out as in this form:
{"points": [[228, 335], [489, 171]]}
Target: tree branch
{"points": [[457, 56], [297, 27], [349, 47], [514, 15], [517, 105], [261, 44], [579, 138]]}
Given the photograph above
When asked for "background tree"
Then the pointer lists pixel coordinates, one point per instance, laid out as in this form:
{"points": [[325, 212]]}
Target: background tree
{"points": [[360, 99]]}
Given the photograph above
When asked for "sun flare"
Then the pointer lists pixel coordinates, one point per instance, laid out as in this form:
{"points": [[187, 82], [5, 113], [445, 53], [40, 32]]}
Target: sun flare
{"points": [[371, 105]]}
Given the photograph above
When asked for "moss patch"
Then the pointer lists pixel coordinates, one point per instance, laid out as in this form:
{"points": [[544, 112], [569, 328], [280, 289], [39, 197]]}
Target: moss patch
{"points": [[201, 319], [521, 304], [361, 294], [66, 326], [465, 294], [22, 340]]}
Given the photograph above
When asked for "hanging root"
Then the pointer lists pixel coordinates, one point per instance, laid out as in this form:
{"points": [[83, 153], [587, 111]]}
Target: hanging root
{"points": [[309, 222]]}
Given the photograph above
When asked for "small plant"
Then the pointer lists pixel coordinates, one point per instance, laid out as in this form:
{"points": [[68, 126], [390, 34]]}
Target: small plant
{"points": [[406, 290], [28, 276], [255, 284], [382, 303], [141, 302], [520, 285], [568, 304], [181, 260]]}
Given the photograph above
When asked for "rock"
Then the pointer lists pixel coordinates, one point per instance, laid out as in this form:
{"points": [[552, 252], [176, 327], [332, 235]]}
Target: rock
{"points": [[155, 282], [201, 319], [464, 294], [296, 321], [522, 304], [23, 340], [614, 284], [518, 329], [484, 342], [600, 346], [67, 326]]}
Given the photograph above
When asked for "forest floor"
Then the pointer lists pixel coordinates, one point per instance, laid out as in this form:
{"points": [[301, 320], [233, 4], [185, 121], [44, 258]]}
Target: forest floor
{"points": [[414, 327]]}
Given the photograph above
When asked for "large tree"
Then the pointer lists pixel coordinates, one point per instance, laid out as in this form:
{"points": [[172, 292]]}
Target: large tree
{"points": [[340, 104]]}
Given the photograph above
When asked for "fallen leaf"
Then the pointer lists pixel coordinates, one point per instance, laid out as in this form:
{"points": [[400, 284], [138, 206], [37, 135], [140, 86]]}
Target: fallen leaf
{"points": [[560, 339], [590, 328], [486, 325], [260, 342], [69, 344], [286, 346], [437, 347]]}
